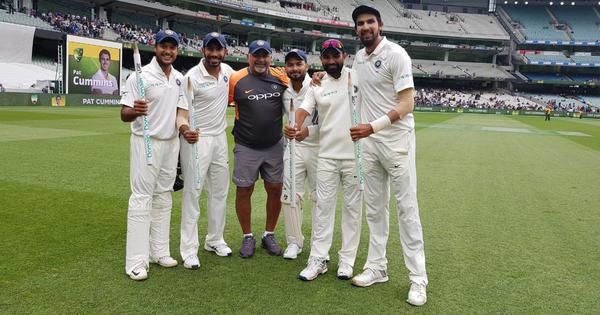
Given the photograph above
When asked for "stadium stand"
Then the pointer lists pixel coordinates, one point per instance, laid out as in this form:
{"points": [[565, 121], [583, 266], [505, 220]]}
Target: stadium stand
{"points": [[586, 59], [23, 77], [593, 101], [448, 36], [452, 69], [551, 58], [559, 102], [585, 77], [44, 62], [66, 7], [473, 99], [583, 21], [536, 22], [135, 20], [24, 19], [546, 76]]}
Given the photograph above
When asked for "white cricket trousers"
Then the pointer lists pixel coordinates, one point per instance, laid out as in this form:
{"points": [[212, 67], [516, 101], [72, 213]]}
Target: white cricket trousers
{"points": [[330, 173], [306, 180], [393, 162], [149, 212], [211, 173]]}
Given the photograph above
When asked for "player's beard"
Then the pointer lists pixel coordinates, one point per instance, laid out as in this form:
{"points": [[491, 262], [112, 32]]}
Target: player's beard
{"points": [[334, 70], [297, 77], [213, 61], [368, 42], [368, 38]]}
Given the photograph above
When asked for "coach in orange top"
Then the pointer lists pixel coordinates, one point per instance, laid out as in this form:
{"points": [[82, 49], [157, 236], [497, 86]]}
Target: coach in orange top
{"points": [[257, 92]]}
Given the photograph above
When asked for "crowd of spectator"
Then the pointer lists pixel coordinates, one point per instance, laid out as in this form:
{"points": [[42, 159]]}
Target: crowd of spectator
{"points": [[134, 33], [451, 98], [74, 24]]}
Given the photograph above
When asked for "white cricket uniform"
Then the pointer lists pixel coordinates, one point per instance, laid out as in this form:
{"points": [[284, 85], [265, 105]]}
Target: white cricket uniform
{"points": [[306, 167], [106, 85], [211, 170], [149, 212], [389, 155], [335, 165]]}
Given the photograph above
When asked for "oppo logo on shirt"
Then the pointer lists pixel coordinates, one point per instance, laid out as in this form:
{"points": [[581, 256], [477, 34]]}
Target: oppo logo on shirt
{"points": [[264, 96]]}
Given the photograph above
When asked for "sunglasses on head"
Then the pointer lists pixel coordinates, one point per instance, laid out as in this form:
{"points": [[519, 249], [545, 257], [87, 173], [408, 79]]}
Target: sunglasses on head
{"points": [[332, 43]]}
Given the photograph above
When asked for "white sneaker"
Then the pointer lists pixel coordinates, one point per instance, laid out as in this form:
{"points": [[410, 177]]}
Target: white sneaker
{"points": [[221, 250], [139, 274], [370, 276], [191, 262], [417, 295], [314, 268], [165, 261], [344, 271], [292, 251]]}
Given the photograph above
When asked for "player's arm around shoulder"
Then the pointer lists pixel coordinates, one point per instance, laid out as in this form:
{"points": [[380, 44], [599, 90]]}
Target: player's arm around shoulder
{"points": [[279, 73]]}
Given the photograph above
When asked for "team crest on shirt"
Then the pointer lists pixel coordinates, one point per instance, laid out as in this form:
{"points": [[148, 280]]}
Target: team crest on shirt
{"points": [[178, 82], [275, 86], [225, 79], [377, 64]]}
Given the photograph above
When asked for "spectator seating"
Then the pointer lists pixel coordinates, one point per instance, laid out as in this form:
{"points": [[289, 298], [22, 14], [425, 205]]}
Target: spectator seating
{"points": [[536, 22], [546, 76], [459, 69], [552, 58], [586, 59], [583, 21], [24, 19]]}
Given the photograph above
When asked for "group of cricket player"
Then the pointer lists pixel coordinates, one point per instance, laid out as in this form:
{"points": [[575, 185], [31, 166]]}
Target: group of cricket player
{"points": [[346, 129]]}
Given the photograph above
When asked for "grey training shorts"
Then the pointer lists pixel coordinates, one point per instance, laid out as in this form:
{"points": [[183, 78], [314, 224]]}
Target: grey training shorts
{"points": [[248, 163]]}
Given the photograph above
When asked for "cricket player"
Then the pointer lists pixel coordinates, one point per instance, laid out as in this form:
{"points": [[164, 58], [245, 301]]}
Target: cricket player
{"points": [[307, 149], [208, 167], [335, 163], [257, 92], [149, 212], [386, 86]]}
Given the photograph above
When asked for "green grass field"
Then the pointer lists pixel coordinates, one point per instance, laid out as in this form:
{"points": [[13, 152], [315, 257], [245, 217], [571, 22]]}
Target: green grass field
{"points": [[509, 207]]}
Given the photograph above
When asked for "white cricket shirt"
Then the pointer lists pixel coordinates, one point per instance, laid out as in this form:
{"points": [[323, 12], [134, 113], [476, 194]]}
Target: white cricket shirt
{"points": [[384, 73], [210, 98], [331, 100], [164, 96], [106, 85], [311, 121]]}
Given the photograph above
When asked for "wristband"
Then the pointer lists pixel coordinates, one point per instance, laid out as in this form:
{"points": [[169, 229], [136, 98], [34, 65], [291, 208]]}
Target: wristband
{"points": [[380, 123]]}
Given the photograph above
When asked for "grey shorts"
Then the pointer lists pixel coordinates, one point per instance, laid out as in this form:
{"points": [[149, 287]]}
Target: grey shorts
{"points": [[248, 163]]}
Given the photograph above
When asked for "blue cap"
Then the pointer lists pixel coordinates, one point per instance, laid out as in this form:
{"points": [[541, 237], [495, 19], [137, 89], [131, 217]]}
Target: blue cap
{"points": [[257, 45], [165, 35], [220, 39], [296, 53]]}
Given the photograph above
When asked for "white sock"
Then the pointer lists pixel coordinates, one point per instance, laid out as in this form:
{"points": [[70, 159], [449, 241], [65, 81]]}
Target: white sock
{"points": [[249, 234], [267, 233]]}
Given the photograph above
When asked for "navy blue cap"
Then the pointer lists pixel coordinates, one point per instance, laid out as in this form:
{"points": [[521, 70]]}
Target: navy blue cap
{"points": [[220, 39], [296, 53], [165, 35], [257, 45], [363, 8]]}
